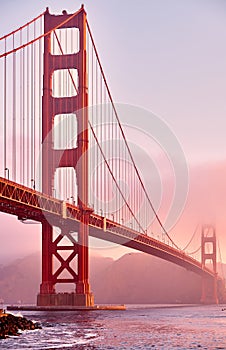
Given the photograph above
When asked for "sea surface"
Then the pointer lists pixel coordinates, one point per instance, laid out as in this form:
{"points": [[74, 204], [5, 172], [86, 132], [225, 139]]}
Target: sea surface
{"points": [[139, 327]]}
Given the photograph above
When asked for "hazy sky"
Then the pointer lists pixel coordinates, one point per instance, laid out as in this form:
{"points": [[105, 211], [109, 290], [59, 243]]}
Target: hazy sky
{"points": [[166, 56]]}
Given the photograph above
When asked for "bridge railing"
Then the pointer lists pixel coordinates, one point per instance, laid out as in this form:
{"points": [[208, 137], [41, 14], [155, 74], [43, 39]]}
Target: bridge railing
{"points": [[15, 198], [13, 192]]}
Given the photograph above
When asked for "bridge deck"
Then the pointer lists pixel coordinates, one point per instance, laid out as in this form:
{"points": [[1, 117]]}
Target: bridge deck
{"points": [[27, 203]]}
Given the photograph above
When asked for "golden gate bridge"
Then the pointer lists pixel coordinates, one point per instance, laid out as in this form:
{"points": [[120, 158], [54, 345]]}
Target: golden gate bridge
{"points": [[59, 122]]}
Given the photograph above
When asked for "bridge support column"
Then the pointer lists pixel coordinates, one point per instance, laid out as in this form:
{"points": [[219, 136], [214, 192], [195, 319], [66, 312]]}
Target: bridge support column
{"points": [[76, 158], [209, 285], [78, 276], [47, 286], [84, 296]]}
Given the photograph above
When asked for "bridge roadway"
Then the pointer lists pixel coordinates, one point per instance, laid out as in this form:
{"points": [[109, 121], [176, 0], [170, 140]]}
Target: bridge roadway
{"points": [[27, 203]]}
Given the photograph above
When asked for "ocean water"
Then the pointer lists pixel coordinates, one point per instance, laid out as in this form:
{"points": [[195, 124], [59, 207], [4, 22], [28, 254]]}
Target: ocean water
{"points": [[139, 327]]}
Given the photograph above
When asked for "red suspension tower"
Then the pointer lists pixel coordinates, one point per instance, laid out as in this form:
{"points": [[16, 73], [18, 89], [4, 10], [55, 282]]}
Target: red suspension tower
{"points": [[209, 285], [76, 158]]}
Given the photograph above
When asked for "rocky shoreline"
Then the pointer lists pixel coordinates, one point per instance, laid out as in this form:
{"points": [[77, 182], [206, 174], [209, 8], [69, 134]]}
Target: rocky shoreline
{"points": [[10, 325]]}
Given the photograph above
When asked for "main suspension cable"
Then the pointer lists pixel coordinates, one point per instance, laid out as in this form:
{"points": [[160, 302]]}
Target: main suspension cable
{"points": [[187, 245], [123, 135], [22, 27], [40, 36], [99, 146]]}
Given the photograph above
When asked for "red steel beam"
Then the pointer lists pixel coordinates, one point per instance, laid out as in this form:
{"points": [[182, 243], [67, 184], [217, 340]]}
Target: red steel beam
{"points": [[13, 200]]}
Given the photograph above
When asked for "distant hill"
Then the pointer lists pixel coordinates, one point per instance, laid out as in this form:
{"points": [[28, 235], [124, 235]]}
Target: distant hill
{"points": [[134, 278], [141, 278], [19, 281]]}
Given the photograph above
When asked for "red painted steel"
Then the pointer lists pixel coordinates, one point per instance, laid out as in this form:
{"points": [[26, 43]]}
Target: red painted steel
{"points": [[27, 203], [17, 200], [209, 285], [53, 159]]}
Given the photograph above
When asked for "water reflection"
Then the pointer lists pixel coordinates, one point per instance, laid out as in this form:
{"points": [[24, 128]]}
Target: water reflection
{"points": [[136, 328]]}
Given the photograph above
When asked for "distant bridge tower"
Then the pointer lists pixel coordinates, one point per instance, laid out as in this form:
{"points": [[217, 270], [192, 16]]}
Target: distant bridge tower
{"points": [[75, 158], [209, 285]]}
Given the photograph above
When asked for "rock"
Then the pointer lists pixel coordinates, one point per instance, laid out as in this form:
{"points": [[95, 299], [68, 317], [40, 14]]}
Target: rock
{"points": [[10, 325]]}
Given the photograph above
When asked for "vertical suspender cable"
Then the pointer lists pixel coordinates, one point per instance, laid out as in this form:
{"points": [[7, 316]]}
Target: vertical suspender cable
{"points": [[97, 152], [34, 107], [91, 137], [14, 115], [112, 160], [28, 109], [21, 108], [61, 131], [5, 108], [91, 95], [40, 99], [100, 127], [70, 117], [104, 167], [24, 107], [88, 73], [66, 94], [74, 180], [32, 117], [57, 127]]}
